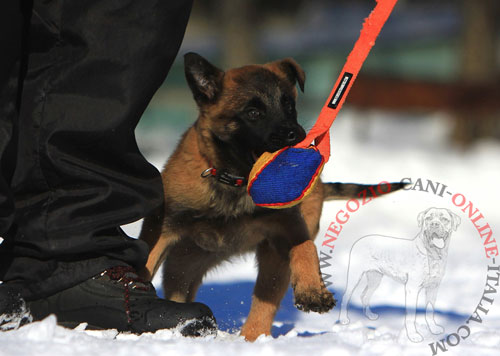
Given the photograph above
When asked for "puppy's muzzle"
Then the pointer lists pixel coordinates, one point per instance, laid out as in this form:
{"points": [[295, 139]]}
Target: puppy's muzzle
{"points": [[287, 136]]}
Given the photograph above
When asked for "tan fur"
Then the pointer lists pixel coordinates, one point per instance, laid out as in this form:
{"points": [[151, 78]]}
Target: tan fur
{"points": [[205, 222]]}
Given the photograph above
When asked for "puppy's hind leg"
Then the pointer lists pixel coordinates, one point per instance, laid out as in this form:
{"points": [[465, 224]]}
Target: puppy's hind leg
{"points": [[184, 269], [159, 239], [272, 283]]}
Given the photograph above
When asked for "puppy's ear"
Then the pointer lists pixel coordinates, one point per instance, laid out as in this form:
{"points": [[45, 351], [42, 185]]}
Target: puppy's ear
{"points": [[204, 79], [292, 71], [455, 220], [420, 217]]}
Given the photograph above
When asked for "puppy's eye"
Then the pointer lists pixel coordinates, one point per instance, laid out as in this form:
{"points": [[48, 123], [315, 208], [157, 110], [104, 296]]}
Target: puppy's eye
{"points": [[253, 114]]}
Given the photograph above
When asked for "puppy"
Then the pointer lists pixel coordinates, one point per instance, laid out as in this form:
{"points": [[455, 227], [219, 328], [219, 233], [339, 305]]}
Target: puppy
{"points": [[418, 263], [208, 216]]}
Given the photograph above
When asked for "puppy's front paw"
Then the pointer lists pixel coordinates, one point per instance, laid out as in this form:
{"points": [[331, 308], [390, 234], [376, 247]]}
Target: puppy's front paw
{"points": [[436, 329], [318, 301], [415, 336], [252, 332]]}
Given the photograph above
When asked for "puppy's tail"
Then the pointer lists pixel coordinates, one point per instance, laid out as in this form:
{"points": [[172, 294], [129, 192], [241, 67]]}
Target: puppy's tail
{"points": [[344, 191]]}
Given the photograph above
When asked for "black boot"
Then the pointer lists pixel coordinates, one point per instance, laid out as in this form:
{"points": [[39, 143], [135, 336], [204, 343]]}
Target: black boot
{"points": [[119, 299]]}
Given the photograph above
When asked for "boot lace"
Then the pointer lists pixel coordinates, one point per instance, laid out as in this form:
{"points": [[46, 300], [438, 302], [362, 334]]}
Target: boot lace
{"points": [[127, 276]]}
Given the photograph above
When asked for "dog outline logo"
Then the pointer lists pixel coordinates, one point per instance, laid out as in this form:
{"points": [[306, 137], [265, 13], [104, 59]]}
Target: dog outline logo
{"points": [[418, 263]]}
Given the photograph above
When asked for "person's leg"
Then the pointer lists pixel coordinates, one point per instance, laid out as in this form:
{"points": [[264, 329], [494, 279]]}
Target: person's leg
{"points": [[14, 18], [11, 28], [93, 67]]}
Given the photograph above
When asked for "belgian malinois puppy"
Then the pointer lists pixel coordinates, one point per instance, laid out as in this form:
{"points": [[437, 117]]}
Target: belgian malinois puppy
{"points": [[208, 215]]}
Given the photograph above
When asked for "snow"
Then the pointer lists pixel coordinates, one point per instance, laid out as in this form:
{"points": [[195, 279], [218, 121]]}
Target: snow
{"points": [[372, 148]]}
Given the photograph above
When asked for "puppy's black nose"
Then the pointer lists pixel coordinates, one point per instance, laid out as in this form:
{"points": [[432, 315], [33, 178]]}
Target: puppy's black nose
{"points": [[291, 137]]}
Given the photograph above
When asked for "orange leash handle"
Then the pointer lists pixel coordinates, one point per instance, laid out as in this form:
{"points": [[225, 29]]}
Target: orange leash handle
{"points": [[371, 29]]}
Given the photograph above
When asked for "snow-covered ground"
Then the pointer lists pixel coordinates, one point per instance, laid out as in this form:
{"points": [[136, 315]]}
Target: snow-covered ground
{"points": [[365, 148]]}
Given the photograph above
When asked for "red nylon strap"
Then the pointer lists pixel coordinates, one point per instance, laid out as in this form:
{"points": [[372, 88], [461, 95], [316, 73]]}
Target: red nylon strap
{"points": [[371, 28]]}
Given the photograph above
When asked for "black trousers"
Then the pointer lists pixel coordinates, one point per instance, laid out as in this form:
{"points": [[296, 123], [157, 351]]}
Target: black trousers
{"points": [[75, 77]]}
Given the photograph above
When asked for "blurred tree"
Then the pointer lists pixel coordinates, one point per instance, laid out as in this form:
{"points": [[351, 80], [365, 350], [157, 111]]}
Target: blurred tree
{"points": [[479, 72], [238, 25], [479, 64], [237, 19]]}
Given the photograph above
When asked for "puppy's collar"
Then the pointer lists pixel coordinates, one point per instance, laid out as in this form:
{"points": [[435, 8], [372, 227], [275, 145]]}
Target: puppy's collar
{"points": [[224, 177]]}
